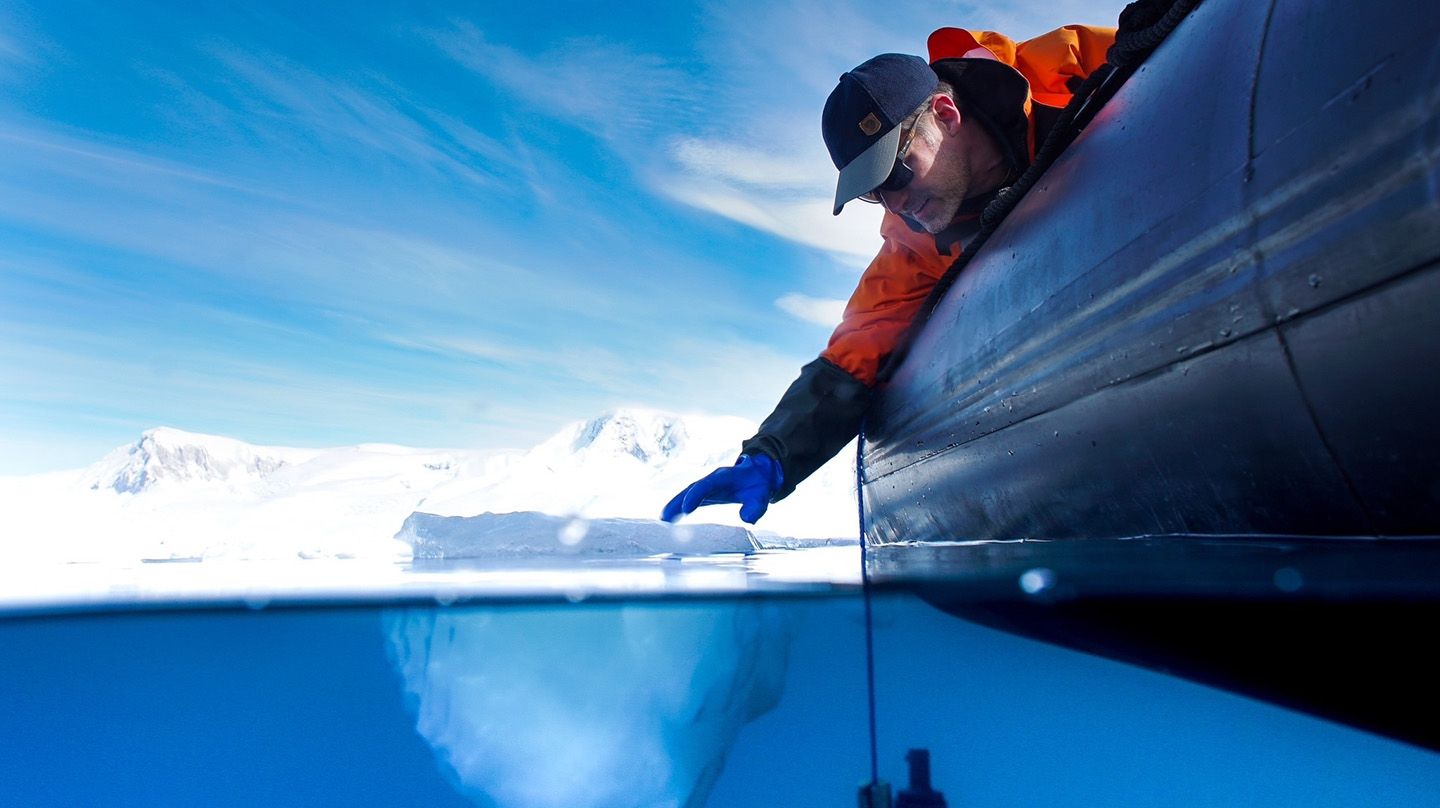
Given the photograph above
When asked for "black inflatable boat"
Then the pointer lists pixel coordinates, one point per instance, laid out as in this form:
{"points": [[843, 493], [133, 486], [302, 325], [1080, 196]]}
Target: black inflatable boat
{"points": [[1183, 407]]}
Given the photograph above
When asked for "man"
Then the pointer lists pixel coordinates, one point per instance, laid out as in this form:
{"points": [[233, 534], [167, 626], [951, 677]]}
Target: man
{"points": [[934, 143]]}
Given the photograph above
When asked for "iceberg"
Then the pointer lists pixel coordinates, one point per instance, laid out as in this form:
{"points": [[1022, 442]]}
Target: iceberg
{"points": [[529, 534], [606, 706]]}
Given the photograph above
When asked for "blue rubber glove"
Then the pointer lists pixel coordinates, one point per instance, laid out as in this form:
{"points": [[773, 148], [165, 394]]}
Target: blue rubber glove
{"points": [[751, 482]]}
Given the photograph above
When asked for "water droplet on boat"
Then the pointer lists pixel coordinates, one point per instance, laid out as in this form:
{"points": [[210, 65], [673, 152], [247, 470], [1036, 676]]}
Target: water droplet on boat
{"points": [[1225, 332], [1037, 580], [1314, 281], [574, 531], [1289, 579]]}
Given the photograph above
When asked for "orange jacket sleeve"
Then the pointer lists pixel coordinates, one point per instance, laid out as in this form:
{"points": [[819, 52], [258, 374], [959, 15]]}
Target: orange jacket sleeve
{"points": [[889, 294]]}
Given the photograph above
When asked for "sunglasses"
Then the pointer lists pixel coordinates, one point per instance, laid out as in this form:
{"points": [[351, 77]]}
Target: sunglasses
{"points": [[900, 175]]}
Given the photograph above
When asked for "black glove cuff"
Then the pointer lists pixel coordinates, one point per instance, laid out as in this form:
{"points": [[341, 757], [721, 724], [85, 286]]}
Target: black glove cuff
{"points": [[819, 414]]}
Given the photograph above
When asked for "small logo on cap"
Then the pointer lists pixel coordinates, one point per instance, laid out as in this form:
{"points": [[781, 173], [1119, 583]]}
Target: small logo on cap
{"points": [[870, 125]]}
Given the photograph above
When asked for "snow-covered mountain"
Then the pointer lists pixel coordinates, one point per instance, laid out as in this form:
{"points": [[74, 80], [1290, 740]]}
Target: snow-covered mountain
{"points": [[181, 495], [646, 437], [165, 456]]}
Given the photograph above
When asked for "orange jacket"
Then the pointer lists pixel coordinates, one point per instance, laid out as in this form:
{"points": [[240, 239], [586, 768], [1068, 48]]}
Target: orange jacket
{"points": [[909, 264]]}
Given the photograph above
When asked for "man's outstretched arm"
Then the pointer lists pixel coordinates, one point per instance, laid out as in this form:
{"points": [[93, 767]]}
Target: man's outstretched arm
{"points": [[819, 413], [823, 409]]}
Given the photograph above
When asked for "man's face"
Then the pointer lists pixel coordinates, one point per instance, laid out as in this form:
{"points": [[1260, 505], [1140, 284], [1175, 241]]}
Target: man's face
{"points": [[941, 182]]}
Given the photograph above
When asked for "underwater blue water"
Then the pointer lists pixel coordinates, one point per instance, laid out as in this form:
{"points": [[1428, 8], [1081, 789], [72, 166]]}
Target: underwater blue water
{"points": [[429, 705]]}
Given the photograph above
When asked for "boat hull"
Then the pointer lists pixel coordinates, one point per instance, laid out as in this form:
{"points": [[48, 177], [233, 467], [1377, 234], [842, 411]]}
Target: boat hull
{"points": [[1181, 409], [1213, 315]]}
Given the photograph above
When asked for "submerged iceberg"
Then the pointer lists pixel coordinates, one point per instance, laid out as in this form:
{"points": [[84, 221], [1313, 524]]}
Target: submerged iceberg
{"points": [[633, 705], [528, 534]]}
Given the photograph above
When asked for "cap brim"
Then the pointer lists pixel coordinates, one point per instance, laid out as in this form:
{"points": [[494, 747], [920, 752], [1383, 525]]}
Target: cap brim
{"points": [[867, 171]]}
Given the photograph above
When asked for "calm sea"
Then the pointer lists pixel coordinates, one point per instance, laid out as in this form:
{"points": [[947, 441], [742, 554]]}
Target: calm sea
{"points": [[736, 699]]}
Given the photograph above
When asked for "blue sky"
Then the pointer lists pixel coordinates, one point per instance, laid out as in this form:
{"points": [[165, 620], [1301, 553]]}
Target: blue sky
{"points": [[434, 224]]}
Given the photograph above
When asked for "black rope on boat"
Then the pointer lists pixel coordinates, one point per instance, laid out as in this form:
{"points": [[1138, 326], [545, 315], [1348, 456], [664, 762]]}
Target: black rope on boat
{"points": [[1144, 24]]}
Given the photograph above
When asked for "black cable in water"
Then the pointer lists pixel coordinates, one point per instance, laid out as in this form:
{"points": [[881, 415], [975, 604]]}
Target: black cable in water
{"points": [[865, 594]]}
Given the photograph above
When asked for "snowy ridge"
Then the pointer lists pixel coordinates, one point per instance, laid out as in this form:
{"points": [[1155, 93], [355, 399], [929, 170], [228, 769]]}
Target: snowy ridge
{"points": [[165, 456], [624, 464], [645, 436], [179, 495], [654, 439]]}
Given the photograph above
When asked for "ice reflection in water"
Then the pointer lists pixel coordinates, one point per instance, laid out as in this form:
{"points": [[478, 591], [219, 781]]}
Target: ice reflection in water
{"points": [[595, 705]]}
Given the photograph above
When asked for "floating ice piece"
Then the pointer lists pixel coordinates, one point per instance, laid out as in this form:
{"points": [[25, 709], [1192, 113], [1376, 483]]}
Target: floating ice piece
{"points": [[595, 707], [527, 533]]}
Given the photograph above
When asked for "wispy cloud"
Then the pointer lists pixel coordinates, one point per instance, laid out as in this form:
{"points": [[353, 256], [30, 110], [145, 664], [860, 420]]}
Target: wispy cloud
{"points": [[816, 310], [757, 158], [205, 219], [10, 51], [787, 194], [744, 166], [609, 88], [851, 240], [23, 47], [280, 99]]}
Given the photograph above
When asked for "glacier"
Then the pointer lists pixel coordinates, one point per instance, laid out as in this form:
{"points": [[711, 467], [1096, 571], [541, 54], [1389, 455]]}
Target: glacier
{"points": [[610, 706]]}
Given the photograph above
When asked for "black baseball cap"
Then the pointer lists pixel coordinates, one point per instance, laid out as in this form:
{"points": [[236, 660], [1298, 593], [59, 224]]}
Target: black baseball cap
{"points": [[861, 122]]}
